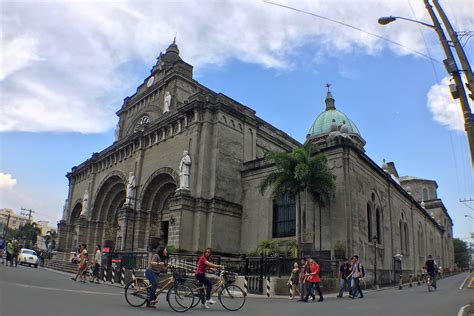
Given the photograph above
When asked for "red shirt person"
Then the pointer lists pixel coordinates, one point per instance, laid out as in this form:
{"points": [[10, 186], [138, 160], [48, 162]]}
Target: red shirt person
{"points": [[200, 273], [313, 280]]}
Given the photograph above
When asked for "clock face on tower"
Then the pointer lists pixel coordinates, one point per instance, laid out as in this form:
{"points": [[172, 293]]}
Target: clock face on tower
{"points": [[150, 81], [142, 122]]}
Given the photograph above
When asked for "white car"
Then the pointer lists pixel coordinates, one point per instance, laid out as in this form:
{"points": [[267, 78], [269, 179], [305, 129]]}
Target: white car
{"points": [[28, 256]]}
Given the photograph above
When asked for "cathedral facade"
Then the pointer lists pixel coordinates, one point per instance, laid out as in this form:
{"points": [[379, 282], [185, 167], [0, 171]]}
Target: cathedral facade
{"points": [[185, 169]]}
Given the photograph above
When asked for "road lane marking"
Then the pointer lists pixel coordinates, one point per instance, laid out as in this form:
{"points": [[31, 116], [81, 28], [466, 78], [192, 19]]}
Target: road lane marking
{"points": [[464, 282], [63, 290], [461, 310]]}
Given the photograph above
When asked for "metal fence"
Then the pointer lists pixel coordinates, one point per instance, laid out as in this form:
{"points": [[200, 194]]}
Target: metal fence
{"points": [[261, 266]]}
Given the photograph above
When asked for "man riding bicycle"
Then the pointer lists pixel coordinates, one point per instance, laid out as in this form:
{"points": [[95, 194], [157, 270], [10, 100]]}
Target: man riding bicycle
{"points": [[431, 269], [203, 265]]}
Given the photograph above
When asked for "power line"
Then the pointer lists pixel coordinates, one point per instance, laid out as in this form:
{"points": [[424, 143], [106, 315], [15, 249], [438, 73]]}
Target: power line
{"points": [[353, 27]]}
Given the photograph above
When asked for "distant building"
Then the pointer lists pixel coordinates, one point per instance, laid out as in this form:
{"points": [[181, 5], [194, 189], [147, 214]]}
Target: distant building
{"points": [[15, 220]]}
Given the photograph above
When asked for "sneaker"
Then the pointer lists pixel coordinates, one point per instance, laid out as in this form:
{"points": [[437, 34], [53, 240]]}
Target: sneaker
{"points": [[74, 279], [211, 301], [339, 296], [205, 305], [321, 299]]}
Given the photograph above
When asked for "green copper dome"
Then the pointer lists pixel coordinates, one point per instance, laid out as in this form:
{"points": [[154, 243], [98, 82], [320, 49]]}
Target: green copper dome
{"points": [[322, 124]]}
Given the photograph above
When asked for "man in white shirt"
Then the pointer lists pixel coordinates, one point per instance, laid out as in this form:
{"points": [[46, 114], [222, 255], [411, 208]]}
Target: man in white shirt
{"points": [[97, 261], [357, 274]]}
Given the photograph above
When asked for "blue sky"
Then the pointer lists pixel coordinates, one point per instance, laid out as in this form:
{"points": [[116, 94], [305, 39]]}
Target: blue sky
{"points": [[68, 110]]}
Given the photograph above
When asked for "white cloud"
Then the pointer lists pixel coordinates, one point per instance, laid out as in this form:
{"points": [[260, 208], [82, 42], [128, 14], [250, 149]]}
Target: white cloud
{"points": [[6, 181], [62, 62], [443, 107]]}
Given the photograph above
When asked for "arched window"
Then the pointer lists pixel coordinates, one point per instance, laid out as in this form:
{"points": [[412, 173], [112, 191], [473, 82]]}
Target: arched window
{"points": [[402, 244], [369, 223], [421, 249], [378, 219], [284, 217], [425, 194], [407, 245]]}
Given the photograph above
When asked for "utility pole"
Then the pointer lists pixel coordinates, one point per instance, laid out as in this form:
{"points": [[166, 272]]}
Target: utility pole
{"points": [[466, 68], [26, 212], [5, 232], [459, 91]]}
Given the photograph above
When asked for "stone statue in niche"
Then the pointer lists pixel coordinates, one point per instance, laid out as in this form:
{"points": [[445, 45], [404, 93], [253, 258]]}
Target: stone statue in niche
{"points": [[167, 104], [184, 168], [131, 186], [117, 132], [85, 204]]}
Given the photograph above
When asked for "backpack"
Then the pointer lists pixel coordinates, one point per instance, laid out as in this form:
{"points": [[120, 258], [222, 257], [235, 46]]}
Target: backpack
{"points": [[361, 269]]}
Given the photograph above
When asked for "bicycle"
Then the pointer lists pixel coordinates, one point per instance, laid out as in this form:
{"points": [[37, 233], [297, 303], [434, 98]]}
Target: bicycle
{"points": [[231, 296], [429, 282], [136, 291]]}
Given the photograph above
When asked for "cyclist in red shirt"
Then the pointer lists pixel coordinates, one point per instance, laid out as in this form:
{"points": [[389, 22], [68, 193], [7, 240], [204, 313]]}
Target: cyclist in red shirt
{"points": [[314, 277], [203, 265]]}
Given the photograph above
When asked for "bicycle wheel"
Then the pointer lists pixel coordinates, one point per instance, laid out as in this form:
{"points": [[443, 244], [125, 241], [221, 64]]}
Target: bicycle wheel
{"points": [[136, 292], [232, 297], [180, 298], [197, 292]]}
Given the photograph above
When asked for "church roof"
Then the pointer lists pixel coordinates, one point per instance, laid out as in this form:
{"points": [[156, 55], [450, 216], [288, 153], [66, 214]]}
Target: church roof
{"points": [[322, 124], [411, 178]]}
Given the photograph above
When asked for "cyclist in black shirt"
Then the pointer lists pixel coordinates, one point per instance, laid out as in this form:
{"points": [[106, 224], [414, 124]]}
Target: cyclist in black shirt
{"points": [[431, 269]]}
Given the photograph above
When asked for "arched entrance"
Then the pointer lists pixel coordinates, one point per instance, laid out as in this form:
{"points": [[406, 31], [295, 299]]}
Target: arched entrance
{"points": [[155, 219], [109, 199]]}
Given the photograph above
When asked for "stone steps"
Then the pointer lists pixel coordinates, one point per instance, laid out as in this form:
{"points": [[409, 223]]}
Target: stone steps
{"points": [[60, 265]]}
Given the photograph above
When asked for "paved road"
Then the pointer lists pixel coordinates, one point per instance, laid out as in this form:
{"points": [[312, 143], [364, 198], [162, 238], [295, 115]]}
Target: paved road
{"points": [[30, 291]]}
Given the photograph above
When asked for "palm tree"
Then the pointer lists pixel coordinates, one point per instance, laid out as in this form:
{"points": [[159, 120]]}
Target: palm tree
{"points": [[304, 169], [267, 247], [50, 238]]}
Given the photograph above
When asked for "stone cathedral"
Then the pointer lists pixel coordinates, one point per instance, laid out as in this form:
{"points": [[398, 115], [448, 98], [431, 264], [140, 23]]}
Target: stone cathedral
{"points": [[185, 169]]}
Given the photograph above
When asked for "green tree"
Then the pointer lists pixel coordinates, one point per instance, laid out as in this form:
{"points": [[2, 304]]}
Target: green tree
{"points": [[267, 248], [304, 169], [27, 234], [461, 253]]}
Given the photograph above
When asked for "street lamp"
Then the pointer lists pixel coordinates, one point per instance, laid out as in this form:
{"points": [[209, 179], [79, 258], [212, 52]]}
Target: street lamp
{"points": [[389, 19], [457, 90], [376, 286]]}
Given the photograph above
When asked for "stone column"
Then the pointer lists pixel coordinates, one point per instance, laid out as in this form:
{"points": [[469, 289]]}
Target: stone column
{"points": [[82, 230], [141, 221], [125, 221], [63, 234], [181, 220]]}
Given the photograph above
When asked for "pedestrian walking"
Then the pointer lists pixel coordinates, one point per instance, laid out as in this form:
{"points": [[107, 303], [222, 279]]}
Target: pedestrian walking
{"points": [[344, 272], [304, 271], [313, 279], [357, 275], [10, 253], [294, 280], [16, 252], [82, 266], [96, 264]]}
